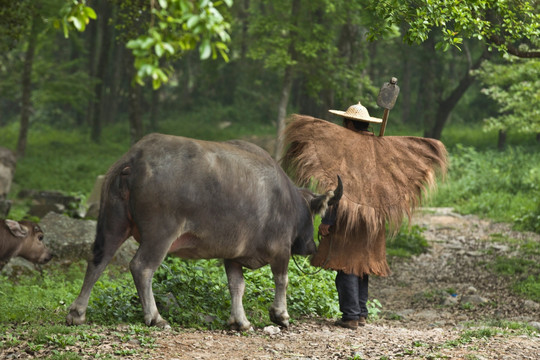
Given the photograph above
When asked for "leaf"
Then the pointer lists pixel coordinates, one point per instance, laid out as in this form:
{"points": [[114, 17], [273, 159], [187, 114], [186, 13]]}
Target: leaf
{"points": [[163, 4], [168, 47], [76, 22], [205, 49], [90, 12], [158, 48], [192, 21]]}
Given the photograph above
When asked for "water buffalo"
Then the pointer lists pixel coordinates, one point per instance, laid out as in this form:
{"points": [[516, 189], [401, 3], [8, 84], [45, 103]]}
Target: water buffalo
{"points": [[201, 200], [22, 238]]}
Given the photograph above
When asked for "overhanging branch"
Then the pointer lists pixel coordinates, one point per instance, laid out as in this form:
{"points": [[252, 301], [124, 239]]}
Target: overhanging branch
{"points": [[511, 49]]}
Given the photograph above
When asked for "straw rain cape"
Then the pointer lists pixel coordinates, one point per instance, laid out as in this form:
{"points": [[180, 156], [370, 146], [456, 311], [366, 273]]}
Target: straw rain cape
{"points": [[383, 178]]}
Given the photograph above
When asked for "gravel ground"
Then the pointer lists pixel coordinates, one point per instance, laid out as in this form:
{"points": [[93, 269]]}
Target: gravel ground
{"points": [[444, 304], [421, 319]]}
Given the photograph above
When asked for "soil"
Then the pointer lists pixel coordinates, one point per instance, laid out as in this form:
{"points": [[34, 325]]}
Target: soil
{"points": [[444, 304], [437, 305]]}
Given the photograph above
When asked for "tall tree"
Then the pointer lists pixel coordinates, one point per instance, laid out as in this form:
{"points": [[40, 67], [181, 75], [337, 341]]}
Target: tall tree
{"points": [[299, 40], [26, 84], [29, 18], [515, 86], [446, 105], [510, 26], [105, 45]]}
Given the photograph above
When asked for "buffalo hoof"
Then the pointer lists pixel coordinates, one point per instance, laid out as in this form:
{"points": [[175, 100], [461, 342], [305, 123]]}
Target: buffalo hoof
{"points": [[157, 322], [281, 318], [239, 326], [164, 325], [74, 318]]}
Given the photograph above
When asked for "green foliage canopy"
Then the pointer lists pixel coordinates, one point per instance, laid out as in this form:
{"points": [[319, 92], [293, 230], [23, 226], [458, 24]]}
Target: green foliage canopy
{"points": [[321, 39], [515, 87], [177, 26], [504, 25]]}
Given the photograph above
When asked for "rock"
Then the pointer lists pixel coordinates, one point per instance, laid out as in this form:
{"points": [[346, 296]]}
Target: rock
{"points": [[271, 330], [473, 299], [40, 210], [535, 324], [8, 162], [47, 201], [405, 314], [532, 305], [450, 300], [471, 290], [209, 318], [5, 206], [224, 124], [72, 239], [18, 265], [427, 315], [167, 302], [500, 247], [94, 199]]}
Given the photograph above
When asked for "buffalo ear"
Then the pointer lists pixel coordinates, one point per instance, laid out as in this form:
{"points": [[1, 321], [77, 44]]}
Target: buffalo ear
{"points": [[16, 229], [320, 203], [338, 193]]}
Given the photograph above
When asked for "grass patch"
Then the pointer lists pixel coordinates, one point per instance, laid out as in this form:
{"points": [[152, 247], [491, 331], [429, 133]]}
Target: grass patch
{"points": [[529, 287], [503, 186], [408, 241], [67, 160], [522, 268], [59, 341]]}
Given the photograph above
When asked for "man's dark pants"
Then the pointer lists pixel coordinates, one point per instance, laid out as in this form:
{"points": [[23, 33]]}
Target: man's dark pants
{"points": [[353, 295]]}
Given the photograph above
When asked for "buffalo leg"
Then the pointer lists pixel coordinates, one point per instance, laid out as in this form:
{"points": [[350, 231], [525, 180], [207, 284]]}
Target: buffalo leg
{"points": [[278, 310], [235, 277], [77, 310], [143, 265]]}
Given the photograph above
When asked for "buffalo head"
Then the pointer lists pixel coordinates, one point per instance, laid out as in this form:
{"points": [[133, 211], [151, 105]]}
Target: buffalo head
{"points": [[318, 204]]}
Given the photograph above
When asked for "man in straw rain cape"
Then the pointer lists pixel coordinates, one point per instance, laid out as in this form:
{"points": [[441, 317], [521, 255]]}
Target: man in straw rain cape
{"points": [[383, 180]]}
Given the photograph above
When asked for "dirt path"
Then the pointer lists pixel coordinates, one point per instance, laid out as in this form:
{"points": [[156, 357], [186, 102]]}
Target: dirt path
{"points": [[434, 306]]}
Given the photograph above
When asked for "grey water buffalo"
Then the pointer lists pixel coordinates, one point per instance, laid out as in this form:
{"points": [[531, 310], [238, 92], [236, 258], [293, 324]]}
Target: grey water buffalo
{"points": [[22, 238], [201, 200]]}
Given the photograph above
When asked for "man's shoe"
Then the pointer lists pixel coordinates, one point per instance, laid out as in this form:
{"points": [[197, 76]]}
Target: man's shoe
{"points": [[362, 321], [348, 324]]}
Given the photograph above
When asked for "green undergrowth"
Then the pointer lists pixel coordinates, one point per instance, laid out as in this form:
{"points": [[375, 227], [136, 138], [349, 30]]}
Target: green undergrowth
{"points": [[520, 265], [409, 241], [66, 160], [502, 186]]}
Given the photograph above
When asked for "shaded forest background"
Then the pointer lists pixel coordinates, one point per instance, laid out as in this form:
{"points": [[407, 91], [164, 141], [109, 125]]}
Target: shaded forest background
{"points": [[293, 57], [224, 69], [70, 106]]}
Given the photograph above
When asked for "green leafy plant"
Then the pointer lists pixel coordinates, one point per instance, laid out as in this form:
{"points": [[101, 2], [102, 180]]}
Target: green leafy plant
{"points": [[409, 241], [374, 308], [499, 185]]}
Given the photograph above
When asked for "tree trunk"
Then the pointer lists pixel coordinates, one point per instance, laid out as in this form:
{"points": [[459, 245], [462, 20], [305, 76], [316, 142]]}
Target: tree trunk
{"points": [[405, 85], [287, 82], [501, 142], [447, 105], [136, 130], [92, 59], [154, 107], [100, 71], [425, 102], [282, 110], [116, 95], [26, 102]]}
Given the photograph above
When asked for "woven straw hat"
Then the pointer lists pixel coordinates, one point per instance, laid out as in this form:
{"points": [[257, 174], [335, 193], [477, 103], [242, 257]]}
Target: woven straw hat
{"points": [[357, 112]]}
